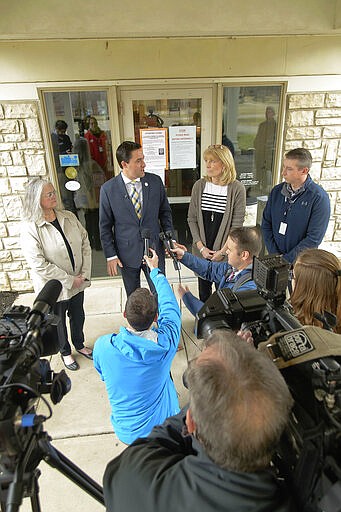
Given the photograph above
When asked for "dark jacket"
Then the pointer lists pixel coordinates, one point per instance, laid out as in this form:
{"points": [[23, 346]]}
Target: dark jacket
{"points": [[120, 228], [169, 472]]}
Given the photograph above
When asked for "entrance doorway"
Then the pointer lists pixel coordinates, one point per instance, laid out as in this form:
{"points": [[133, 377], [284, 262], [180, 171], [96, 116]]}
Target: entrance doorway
{"points": [[173, 126]]}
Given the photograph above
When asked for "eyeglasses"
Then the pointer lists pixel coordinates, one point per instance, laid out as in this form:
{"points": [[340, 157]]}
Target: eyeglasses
{"points": [[49, 195], [216, 146]]}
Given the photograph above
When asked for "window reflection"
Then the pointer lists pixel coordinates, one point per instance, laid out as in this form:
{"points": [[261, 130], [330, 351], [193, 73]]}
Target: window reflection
{"points": [[79, 126], [250, 127]]}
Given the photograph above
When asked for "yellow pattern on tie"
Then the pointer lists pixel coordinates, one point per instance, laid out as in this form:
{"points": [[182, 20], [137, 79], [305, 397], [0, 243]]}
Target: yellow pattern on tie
{"points": [[135, 198]]}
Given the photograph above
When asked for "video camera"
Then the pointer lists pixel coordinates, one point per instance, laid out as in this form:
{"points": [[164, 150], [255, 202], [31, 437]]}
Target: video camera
{"points": [[309, 455], [26, 335]]}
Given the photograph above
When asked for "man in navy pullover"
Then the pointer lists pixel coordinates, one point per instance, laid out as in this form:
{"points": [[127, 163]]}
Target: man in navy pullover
{"points": [[242, 245], [135, 363], [297, 213]]}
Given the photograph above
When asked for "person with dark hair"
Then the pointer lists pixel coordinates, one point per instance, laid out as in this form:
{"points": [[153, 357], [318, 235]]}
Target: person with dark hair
{"points": [[297, 212], [97, 140], [242, 245], [215, 455], [62, 145], [135, 363], [132, 205]]}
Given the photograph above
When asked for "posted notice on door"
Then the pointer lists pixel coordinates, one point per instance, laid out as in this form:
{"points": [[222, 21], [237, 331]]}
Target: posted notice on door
{"points": [[182, 147], [155, 150]]}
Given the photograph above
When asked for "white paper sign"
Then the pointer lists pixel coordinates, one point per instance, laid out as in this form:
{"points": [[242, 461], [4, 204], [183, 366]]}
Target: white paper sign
{"points": [[182, 147], [154, 145]]}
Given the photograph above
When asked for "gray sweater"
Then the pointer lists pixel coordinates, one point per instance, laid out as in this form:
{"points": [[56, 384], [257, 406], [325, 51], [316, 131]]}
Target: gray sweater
{"points": [[232, 218]]}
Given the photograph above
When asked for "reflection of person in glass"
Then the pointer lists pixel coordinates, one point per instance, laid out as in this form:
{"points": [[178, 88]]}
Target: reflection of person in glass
{"points": [[264, 144], [217, 205], [97, 140], [86, 198], [62, 145]]}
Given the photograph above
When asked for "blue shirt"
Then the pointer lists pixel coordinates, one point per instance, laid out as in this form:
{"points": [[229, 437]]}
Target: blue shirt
{"points": [[304, 218], [212, 271]]}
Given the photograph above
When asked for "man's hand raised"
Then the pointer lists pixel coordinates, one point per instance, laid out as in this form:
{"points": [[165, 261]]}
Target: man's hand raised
{"points": [[179, 250], [152, 262]]}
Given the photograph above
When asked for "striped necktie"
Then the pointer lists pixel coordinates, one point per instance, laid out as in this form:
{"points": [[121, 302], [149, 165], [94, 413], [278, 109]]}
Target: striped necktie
{"points": [[135, 198], [231, 276]]}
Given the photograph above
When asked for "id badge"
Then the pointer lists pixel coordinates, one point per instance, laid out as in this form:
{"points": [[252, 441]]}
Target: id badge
{"points": [[282, 228]]}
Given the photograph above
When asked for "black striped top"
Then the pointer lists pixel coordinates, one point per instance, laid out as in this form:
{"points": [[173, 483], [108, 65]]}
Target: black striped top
{"points": [[214, 198], [213, 206]]}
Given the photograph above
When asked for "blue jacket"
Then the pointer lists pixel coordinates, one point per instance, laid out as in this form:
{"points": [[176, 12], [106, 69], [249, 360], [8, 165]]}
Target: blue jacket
{"points": [[215, 272], [136, 371], [306, 219]]}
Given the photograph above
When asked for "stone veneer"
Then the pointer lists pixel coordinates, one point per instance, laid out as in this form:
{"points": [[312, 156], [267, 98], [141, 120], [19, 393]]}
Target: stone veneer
{"points": [[22, 155], [313, 120]]}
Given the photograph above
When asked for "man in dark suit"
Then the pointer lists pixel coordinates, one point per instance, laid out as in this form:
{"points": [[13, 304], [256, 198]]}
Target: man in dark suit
{"points": [[132, 205]]}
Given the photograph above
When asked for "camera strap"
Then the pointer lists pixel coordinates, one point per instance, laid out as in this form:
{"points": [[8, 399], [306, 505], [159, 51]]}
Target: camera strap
{"points": [[300, 345]]}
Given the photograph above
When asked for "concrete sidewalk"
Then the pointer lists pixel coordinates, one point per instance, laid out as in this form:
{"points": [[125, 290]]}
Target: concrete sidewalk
{"points": [[80, 426]]}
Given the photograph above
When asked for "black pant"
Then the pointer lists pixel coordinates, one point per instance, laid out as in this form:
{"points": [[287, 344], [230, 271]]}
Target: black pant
{"points": [[205, 289], [132, 279], [75, 311]]}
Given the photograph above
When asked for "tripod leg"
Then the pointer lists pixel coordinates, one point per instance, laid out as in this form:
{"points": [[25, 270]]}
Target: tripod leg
{"points": [[57, 460], [35, 502]]}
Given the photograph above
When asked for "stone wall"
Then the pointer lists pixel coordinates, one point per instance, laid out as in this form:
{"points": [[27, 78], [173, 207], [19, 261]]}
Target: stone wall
{"points": [[313, 121], [22, 155]]}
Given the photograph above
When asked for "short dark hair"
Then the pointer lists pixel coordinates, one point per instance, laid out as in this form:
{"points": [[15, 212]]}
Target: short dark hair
{"points": [[140, 310], [61, 125], [239, 403], [302, 155], [247, 239], [124, 151]]}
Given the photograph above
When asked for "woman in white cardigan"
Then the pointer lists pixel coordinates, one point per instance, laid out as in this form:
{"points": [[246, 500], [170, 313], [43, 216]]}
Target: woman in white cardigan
{"points": [[217, 205], [56, 246]]}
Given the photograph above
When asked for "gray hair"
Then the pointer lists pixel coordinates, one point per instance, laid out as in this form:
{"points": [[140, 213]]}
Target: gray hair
{"points": [[32, 210], [239, 403]]}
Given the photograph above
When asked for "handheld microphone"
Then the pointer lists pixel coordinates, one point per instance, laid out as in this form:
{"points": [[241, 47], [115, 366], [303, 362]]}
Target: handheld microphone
{"points": [[45, 301], [146, 242], [166, 239]]}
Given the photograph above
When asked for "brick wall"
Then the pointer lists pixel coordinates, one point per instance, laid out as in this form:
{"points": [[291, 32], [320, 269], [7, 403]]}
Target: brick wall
{"points": [[313, 121], [22, 155]]}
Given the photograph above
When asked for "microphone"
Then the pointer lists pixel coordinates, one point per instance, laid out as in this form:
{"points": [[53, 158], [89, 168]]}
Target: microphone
{"points": [[166, 239], [45, 301], [145, 233]]}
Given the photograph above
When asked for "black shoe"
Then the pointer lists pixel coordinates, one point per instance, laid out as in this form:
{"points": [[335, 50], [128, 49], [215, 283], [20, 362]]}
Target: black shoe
{"points": [[73, 366], [88, 356]]}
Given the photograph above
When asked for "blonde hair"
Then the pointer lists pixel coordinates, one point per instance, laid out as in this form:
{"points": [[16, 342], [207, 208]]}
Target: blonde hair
{"points": [[317, 286], [223, 154]]}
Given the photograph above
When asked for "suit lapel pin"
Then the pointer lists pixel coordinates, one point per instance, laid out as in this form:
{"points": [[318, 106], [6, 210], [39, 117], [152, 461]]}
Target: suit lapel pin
{"points": [[146, 184]]}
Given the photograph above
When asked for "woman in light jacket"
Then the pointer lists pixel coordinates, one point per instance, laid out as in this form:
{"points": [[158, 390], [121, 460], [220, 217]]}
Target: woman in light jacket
{"points": [[217, 205], [56, 246]]}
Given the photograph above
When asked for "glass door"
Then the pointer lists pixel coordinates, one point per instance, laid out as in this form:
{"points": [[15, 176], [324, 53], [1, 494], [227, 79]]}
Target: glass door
{"points": [[173, 126], [80, 138]]}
